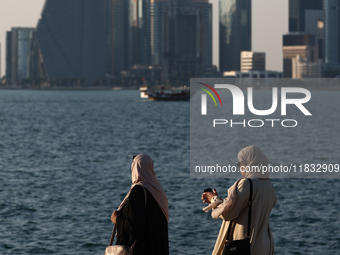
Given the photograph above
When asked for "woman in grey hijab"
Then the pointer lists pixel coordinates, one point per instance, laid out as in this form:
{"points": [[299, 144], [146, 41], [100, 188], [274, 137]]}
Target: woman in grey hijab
{"points": [[235, 206]]}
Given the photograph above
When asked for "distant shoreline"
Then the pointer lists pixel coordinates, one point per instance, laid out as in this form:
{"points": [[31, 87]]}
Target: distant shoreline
{"points": [[134, 88], [65, 88]]}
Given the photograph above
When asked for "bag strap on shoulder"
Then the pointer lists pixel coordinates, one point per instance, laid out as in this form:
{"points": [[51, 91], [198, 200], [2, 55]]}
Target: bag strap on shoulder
{"points": [[250, 206], [250, 201]]}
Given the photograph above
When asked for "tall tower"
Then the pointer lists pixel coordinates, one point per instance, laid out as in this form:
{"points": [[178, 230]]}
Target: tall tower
{"points": [[19, 53], [116, 29], [205, 9], [8, 56], [158, 17], [297, 9], [181, 38], [189, 39], [71, 36], [235, 32], [332, 32], [139, 32]]}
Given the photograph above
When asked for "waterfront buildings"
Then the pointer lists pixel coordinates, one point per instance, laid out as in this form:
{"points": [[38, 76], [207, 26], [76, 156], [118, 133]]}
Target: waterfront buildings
{"points": [[71, 37], [235, 32], [173, 36], [253, 74], [298, 44], [19, 54], [253, 61], [84, 42], [302, 68]]}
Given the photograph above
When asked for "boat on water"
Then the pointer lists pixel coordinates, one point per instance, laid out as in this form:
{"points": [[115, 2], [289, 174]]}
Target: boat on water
{"points": [[144, 92], [163, 93]]}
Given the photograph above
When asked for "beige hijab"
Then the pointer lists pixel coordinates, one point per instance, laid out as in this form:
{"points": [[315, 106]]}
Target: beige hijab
{"points": [[249, 156], [253, 157], [144, 175]]}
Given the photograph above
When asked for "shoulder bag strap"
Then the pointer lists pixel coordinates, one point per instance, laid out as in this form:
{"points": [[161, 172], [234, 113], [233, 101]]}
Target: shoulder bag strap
{"points": [[115, 227], [249, 212], [250, 206]]}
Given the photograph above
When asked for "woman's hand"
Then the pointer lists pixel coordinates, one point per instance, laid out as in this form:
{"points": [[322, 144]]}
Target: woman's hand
{"points": [[207, 196], [114, 216]]}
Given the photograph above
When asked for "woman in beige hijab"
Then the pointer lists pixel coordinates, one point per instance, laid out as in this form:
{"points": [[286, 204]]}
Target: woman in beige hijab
{"points": [[142, 217], [235, 206]]}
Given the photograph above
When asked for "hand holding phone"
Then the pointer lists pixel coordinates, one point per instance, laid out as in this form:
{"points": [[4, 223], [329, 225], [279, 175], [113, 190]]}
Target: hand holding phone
{"points": [[207, 196]]}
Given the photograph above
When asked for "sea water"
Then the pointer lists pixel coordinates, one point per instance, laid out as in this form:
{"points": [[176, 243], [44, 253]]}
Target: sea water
{"points": [[65, 166]]}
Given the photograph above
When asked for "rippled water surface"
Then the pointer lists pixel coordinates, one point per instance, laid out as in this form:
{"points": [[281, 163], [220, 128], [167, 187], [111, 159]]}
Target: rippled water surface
{"points": [[65, 166]]}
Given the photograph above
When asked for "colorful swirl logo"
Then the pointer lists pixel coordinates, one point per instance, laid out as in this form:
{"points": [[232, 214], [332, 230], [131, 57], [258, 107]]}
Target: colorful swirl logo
{"points": [[209, 93]]}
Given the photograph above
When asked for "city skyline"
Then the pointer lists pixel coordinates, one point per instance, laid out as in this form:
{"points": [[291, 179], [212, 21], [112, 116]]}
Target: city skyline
{"points": [[15, 14]]}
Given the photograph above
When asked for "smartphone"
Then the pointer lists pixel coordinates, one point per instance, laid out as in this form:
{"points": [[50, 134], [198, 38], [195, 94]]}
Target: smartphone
{"points": [[208, 190]]}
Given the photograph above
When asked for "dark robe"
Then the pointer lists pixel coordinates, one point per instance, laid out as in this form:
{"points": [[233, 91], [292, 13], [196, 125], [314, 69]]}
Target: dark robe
{"points": [[148, 226]]}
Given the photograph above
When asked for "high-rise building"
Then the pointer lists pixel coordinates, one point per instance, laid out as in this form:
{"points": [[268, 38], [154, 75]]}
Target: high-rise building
{"points": [[19, 53], [205, 9], [186, 51], [235, 32], [158, 14], [116, 21], [332, 32], [190, 39], [253, 61], [297, 44], [297, 12], [302, 68], [71, 36], [8, 56], [314, 25], [139, 32], [181, 38], [0, 66]]}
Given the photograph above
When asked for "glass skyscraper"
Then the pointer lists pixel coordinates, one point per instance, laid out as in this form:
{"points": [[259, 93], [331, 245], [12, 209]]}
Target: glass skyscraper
{"points": [[332, 32], [71, 36], [181, 37], [139, 32], [116, 29], [297, 13], [235, 32], [19, 53], [158, 9]]}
